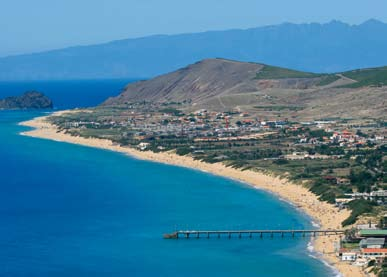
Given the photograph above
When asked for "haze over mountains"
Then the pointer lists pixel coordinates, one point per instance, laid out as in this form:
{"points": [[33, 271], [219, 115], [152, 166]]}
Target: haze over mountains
{"points": [[331, 47]]}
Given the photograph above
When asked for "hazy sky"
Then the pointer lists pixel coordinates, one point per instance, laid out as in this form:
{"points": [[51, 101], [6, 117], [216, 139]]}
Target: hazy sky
{"points": [[36, 25]]}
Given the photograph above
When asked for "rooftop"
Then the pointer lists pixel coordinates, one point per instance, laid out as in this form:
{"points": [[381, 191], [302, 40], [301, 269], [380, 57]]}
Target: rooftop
{"points": [[372, 241], [373, 233], [374, 250]]}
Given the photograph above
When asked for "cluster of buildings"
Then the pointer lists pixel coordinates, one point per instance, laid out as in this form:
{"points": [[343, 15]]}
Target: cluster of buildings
{"points": [[201, 124], [368, 244], [146, 121], [379, 196], [342, 138], [346, 138], [302, 155], [340, 135]]}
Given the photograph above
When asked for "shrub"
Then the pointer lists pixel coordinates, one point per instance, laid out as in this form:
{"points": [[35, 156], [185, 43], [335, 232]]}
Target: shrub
{"points": [[182, 151], [358, 207], [329, 197]]}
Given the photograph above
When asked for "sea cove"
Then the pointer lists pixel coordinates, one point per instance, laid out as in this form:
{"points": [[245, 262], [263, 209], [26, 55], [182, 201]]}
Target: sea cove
{"points": [[79, 211]]}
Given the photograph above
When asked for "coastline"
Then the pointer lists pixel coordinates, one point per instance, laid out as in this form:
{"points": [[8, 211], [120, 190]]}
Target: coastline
{"points": [[325, 214]]}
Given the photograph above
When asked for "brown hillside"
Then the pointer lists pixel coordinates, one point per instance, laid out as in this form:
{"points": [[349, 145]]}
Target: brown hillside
{"points": [[220, 85]]}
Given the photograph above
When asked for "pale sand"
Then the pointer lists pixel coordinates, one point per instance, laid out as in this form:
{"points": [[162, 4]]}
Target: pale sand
{"points": [[325, 214]]}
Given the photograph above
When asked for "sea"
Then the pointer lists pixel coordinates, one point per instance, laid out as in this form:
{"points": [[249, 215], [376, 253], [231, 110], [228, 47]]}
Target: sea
{"points": [[70, 210]]}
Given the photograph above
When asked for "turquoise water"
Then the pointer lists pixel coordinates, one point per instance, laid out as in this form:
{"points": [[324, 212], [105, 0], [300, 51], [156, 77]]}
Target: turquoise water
{"points": [[68, 210]]}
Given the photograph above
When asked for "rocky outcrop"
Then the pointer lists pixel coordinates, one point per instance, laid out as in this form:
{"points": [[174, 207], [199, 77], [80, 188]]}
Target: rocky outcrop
{"points": [[29, 100]]}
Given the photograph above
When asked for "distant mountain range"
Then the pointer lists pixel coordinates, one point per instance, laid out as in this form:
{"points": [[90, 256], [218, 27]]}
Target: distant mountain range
{"points": [[331, 47], [264, 90]]}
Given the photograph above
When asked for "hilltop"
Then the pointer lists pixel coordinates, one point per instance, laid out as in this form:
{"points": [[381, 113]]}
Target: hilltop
{"points": [[264, 90], [330, 47], [29, 100]]}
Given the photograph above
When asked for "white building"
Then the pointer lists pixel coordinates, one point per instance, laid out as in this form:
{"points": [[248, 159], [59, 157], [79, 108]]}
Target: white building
{"points": [[143, 146], [348, 256]]}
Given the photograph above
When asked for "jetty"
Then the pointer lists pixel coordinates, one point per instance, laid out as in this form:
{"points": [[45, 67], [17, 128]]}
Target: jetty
{"points": [[251, 233]]}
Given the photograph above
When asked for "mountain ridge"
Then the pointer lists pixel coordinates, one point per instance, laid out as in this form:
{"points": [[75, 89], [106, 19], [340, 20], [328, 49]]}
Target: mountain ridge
{"points": [[309, 47], [338, 22]]}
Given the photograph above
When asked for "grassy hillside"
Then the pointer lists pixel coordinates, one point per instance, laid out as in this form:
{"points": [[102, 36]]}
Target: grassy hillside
{"points": [[368, 77], [328, 79], [262, 90], [273, 72], [364, 77]]}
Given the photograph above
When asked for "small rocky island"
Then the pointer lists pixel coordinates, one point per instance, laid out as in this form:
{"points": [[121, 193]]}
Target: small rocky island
{"points": [[29, 100]]}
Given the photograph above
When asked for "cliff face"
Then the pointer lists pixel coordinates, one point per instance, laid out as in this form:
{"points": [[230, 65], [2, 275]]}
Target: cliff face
{"points": [[29, 100]]}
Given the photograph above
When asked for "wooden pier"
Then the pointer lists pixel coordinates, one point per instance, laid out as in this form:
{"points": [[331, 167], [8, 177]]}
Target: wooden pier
{"points": [[251, 233]]}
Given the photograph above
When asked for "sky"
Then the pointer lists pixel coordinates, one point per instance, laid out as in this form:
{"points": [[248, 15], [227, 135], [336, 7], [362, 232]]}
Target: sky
{"points": [[37, 25]]}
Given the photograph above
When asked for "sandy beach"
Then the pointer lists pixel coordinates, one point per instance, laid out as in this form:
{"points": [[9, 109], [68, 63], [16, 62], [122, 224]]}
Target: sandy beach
{"points": [[326, 215]]}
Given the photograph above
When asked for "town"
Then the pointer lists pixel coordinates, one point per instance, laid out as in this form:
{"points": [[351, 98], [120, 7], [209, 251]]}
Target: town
{"points": [[343, 161]]}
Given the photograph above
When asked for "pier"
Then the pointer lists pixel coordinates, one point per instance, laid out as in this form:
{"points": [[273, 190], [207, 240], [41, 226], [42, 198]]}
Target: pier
{"points": [[251, 233]]}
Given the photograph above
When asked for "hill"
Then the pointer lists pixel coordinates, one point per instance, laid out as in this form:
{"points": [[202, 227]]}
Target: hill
{"points": [[29, 100], [330, 47], [264, 90], [368, 77]]}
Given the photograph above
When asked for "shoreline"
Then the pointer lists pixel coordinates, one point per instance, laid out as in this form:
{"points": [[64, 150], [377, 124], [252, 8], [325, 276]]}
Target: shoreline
{"points": [[325, 215]]}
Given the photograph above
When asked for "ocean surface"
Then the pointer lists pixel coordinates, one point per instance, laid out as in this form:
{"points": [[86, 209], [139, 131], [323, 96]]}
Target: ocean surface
{"points": [[68, 94], [69, 210]]}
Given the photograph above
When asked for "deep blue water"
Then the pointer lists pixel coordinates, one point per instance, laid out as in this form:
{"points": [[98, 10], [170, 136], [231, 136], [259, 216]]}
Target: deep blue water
{"points": [[68, 94], [68, 210]]}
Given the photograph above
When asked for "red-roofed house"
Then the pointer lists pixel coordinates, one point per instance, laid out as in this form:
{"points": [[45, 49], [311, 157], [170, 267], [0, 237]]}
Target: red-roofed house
{"points": [[374, 252]]}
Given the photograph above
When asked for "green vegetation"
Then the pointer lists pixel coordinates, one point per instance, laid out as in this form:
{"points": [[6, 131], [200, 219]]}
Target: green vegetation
{"points": [[273, 72], [362, 179], [368, 77], [350, 245], [358, 207], [172, 111], [319, 133], [382, 271], [328, 79], [363, 77], [182, 151], [326, 150], [326, 192], [279, 108]]}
